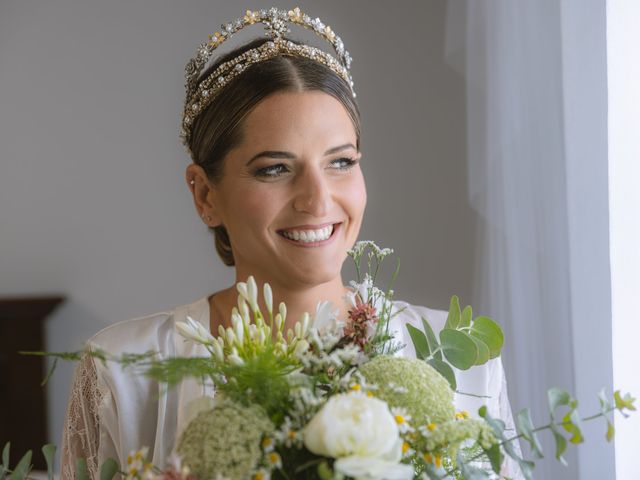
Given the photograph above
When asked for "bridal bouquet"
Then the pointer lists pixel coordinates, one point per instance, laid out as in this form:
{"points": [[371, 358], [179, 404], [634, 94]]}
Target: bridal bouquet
{"points": [[330, 399]]}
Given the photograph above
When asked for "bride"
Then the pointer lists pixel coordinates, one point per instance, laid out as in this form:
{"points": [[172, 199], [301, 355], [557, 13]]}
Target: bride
{"points": [[273, 130]]}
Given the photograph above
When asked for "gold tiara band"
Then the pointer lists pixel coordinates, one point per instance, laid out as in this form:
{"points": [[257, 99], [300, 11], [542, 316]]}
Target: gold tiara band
{"points": [[200, 92]]}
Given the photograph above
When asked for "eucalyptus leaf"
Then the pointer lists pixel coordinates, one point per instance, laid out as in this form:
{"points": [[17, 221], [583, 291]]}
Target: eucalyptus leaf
{"points": [[526, 467], [458, 348], [525, 428], [81, 469], [445, 370], [453, 319], [5, 459], [23, 468], [431, 472], [561, 443], [420, 342], [558, 397], [467, 315], [573, 424], [470, 472], [109, 469], [623, 403], [431, 338], [483, 351], [496, 424], [490, 332], [49, 451], [605, 404], [610, 431], [495, 457]]}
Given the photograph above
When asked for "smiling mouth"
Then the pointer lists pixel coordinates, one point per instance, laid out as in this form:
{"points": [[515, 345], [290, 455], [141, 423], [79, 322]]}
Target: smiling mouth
{"points": [[310, 236]]}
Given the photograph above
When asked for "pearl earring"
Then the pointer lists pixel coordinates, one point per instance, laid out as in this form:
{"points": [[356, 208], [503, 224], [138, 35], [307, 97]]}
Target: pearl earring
{"points": [[192, 182]]}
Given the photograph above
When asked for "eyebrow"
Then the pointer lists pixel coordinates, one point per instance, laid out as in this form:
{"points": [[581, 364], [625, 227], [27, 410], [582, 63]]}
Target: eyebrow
{"points": [[291, 156]]}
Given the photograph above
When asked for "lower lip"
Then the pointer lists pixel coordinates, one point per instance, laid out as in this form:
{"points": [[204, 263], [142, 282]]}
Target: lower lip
{"points": [[336, 227]]}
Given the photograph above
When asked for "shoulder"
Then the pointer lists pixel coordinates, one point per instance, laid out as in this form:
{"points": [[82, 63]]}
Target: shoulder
{"points": [[154, 331]]}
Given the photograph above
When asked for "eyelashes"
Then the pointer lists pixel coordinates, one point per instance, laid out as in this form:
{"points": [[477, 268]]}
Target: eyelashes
{"points": [[274, 171]]}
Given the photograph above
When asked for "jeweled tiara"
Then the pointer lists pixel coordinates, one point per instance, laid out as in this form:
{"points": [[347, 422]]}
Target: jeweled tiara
{"points": [[200, 92]]}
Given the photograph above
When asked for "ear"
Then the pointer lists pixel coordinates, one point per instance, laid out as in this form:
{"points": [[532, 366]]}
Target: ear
{"points": [[205, 195]]}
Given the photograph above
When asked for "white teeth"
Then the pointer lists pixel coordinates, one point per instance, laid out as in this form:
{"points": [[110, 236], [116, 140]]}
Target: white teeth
{"points": [[307, 236]]}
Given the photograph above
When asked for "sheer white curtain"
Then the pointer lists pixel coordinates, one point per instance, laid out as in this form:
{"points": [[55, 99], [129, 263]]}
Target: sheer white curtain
{"points": [[536, 151]]}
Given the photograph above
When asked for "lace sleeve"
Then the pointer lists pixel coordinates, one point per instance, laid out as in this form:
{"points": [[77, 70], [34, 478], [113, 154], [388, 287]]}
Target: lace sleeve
{"points": [[81, 433]]}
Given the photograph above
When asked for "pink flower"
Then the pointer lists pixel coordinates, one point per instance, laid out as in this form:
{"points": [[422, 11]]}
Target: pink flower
{"points": [[361, 322]]}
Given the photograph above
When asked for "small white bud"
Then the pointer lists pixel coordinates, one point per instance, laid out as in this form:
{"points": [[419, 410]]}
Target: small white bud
{"points": [[235, 359], [252, 292], [239, 330], [242, 290], [301, 347], [217, 350], [236, 319], [231, 337], [282, 308], [268, 297], [298, 330]]}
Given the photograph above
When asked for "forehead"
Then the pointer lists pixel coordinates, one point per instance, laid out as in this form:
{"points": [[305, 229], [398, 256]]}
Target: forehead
{"points": [[311, 118]]}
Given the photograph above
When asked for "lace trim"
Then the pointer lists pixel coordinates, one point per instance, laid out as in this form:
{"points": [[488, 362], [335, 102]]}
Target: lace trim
{"points": [[81, 433]]}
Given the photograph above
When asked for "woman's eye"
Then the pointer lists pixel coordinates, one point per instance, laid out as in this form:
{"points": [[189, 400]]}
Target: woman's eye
{"points": [[271, 170], [344, 163]]}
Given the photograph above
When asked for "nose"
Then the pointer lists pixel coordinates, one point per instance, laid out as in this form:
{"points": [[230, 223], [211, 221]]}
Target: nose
{"points": [[313, 195]]}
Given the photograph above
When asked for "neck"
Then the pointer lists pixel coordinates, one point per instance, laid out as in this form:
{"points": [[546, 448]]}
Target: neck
{"points": [[298, 300]]}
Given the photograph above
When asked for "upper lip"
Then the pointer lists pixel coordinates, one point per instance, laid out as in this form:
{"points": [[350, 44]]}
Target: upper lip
{"points": [[309, 227]]}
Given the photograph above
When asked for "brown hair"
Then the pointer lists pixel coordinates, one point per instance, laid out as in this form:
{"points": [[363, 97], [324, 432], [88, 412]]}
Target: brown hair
{"points": [[218, 129]]}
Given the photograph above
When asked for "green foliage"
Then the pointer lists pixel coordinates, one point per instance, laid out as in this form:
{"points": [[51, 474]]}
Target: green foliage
{"points": [[498, 427], [261, 380], [525, 428], [23, 468], [82, 473], [4, 467], [469, 472], [171, 371], [488, 331], [459, 348], [463, 342], [109, 469], [49, 451], [445, 370]]}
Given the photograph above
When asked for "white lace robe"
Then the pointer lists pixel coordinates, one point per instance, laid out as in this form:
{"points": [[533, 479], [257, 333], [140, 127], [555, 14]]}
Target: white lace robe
{"points": [[113, 411]]}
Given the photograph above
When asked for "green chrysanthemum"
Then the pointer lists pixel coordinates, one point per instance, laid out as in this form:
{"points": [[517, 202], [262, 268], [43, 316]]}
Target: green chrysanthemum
{"points": [[427, 396], [225, 441]]}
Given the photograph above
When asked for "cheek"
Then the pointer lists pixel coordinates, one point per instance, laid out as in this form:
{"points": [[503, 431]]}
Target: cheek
{"points": [[356, 196], [255, 206]]}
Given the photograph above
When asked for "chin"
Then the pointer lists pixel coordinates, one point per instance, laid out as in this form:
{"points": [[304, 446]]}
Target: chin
{"points": [[316, 276]]}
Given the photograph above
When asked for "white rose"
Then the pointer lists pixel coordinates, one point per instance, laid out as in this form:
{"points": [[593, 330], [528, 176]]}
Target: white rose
{"points": [[361, 434]]}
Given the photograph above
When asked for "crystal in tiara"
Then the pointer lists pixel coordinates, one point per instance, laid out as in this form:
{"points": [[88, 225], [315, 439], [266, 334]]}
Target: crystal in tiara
{"points": [[200, 92]]}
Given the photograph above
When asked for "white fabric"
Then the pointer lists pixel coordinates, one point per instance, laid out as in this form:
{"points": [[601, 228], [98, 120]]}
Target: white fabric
{"points": [[133, 411]]}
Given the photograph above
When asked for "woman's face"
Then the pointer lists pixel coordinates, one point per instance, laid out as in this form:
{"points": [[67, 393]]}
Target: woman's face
{"points": [[292, 195]]}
